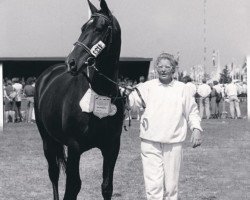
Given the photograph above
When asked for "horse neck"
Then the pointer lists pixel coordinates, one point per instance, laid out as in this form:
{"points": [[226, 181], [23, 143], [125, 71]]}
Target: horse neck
{"points": [[109, 67], [100, 84]]}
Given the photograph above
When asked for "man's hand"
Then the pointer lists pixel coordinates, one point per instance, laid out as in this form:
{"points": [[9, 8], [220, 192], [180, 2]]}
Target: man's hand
{"points": [[196, 138]]}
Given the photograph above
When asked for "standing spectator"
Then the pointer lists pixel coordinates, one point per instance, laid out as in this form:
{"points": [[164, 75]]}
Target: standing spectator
{"points": [[135, 83], [241, 92], [9, 96], [170, 108], [140, 109], [33, 117], [190, 85], [244, 88], [218, 99], [204, 91], [22, 81], [29, 91], [18, 99], [223, 101], [213, 96], [129, 83], [231, 92], [141, 79]]}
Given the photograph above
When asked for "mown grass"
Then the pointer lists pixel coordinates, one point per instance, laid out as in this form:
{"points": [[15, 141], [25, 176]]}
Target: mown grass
{"points": [[219, 169]]}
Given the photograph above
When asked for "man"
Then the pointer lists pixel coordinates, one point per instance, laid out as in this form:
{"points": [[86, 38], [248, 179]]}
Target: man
{"points": [[244, 88], [204, 91], [141, 79], [18, 87], [9, 94], [218, 90], [191, 85], [170, 107], [140, 110], [29, 92], [231, 92]]}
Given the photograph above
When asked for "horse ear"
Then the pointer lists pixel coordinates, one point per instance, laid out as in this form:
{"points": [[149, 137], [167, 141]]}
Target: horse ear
{"points": [[92, 8], [104, 7]]}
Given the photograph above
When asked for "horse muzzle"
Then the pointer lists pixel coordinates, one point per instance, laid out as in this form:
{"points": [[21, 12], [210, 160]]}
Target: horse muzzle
{"points": [[73, 66]]}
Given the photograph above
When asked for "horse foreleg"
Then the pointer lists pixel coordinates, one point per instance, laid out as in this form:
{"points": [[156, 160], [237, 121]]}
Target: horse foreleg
{"points": [[53, 167], [73, 181], [110, 154]]}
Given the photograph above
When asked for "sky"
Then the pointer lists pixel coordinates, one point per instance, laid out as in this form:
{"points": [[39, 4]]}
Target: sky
{"points": [[48, 28]]}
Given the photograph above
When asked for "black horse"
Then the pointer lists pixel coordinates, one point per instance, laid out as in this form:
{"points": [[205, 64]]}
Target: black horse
{"points": [[92, 64]]}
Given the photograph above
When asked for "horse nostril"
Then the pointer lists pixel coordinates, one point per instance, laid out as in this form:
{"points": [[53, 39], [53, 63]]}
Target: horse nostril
{"points": [[73, 68], [72, 63]]}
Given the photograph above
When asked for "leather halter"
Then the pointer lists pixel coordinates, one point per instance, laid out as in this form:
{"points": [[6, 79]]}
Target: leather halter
{"points": [[106, 34]]}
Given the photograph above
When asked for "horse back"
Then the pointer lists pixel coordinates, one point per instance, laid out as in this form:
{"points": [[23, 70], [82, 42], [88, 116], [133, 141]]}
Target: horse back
{"points": [[45, 79]]}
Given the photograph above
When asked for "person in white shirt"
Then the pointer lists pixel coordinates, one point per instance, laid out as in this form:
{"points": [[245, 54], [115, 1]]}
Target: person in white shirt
{"points": [[18, 87], [191, 85], [170, 108], [231, 92], [244, 89], [140, 110], [218, 98], [204, 91]]}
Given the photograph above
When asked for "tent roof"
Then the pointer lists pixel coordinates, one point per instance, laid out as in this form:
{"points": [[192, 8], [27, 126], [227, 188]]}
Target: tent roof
{"points": [[126, 59]]}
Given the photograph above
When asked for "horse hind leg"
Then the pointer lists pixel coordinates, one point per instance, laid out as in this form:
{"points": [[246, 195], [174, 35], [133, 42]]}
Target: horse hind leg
{"points": [[73, 181], [54, 153]]}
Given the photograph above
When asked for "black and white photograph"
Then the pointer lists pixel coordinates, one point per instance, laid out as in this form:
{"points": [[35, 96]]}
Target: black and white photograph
{"points": [[124, 100]]}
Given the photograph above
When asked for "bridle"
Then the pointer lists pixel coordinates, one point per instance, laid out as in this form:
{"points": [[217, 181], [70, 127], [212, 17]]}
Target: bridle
{"points": [[91, 60]]}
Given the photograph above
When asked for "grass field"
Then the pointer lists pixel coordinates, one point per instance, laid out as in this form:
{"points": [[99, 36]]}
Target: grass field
{"points": [[218, 170]]}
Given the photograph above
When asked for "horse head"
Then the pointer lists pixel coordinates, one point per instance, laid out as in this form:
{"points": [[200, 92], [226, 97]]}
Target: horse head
{"points": [[100, 38]]}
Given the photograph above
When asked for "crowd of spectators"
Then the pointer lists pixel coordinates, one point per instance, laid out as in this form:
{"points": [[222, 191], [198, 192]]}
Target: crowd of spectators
{"points": [[212, 97], [18, 101]]}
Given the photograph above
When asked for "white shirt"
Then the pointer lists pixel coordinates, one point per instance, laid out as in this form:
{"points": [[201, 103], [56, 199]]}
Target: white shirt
{"points": [[244, 88], [204, 90], [231, 89], [239, 88], [169, 109], [192, 88], [18, 88]]}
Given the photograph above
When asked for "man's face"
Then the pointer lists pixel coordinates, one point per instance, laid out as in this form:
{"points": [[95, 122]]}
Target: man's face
{"points": [[165, 70]]}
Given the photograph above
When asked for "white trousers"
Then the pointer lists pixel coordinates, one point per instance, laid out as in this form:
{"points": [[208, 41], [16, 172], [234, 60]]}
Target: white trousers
{"points": [[161, 167]]}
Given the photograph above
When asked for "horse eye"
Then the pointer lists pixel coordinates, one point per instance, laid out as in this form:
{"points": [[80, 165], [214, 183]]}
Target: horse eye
{"points": [[99, 28]]}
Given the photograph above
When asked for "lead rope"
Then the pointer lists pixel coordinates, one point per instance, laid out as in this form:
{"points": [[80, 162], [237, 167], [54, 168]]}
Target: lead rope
{"points": [[127, 108]]}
